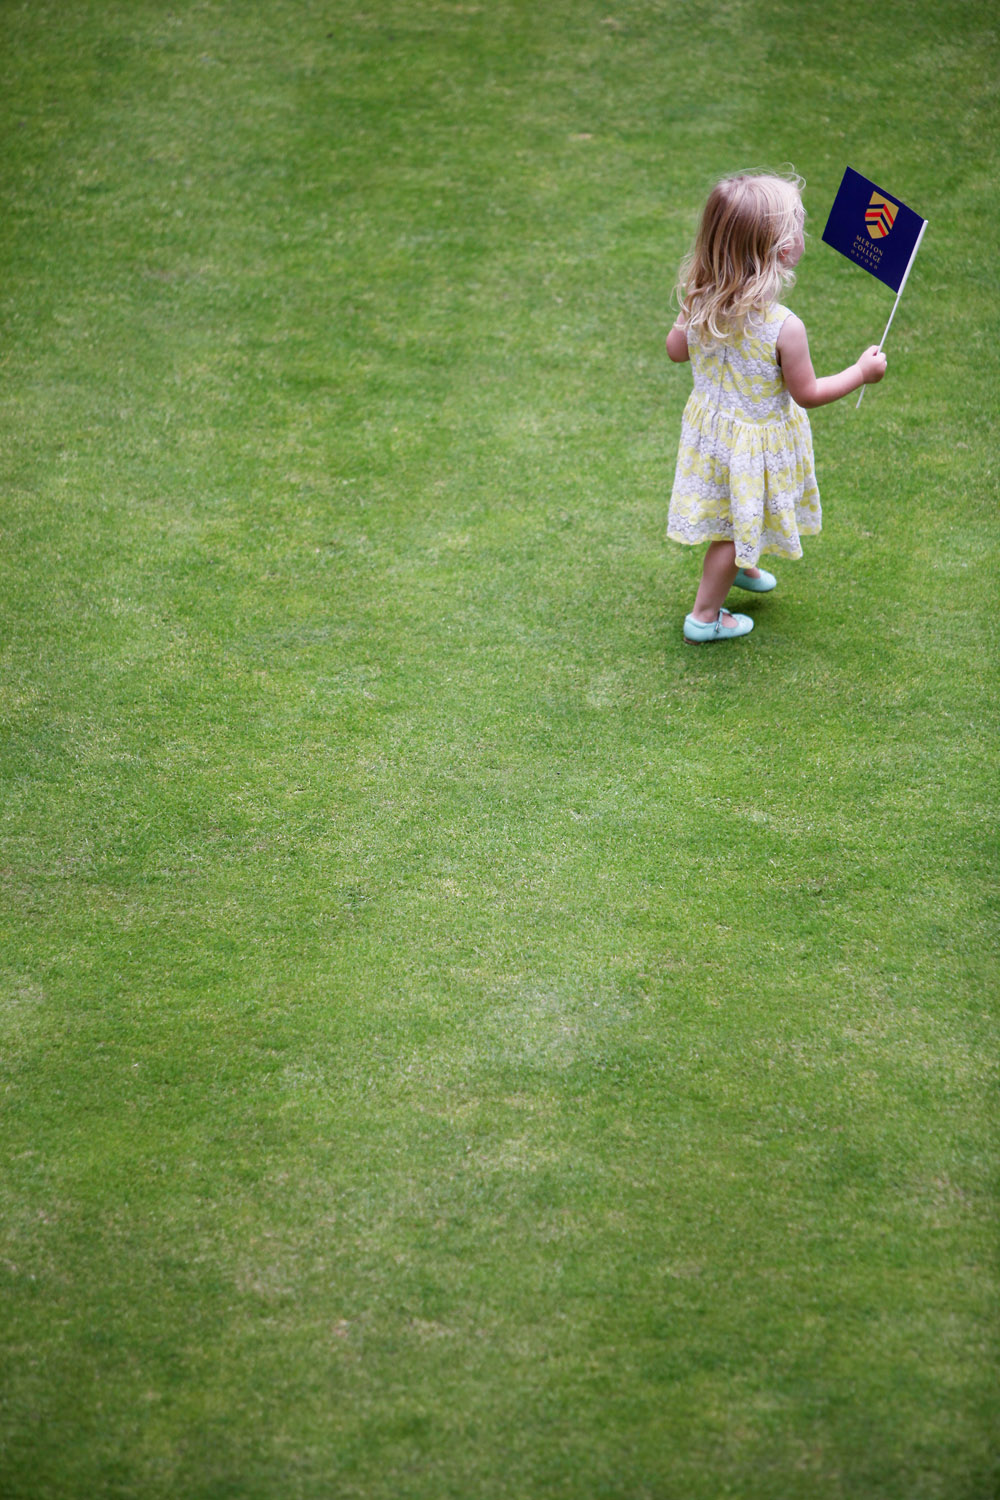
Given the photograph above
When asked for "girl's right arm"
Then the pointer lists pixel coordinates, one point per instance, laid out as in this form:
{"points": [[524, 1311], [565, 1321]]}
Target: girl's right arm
{"points": [[808, 389], [677, 343]]}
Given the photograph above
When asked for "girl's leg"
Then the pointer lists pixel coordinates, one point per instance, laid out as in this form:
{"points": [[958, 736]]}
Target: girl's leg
{"points": [[717, 576]]}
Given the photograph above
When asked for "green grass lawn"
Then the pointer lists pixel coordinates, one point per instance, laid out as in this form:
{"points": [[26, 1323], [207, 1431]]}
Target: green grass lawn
{"points": [[457, 1041]]}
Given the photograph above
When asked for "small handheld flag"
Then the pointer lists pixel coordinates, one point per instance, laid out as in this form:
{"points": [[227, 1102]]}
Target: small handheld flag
{"points": [[875, 231]]}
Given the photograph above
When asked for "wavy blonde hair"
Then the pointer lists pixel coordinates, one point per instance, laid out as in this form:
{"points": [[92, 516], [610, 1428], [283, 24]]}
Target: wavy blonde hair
{"points": [[735, 270]]}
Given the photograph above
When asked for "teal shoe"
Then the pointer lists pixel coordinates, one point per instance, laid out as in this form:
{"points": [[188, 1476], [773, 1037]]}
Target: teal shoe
{"points": [[697, 632], [762, 585]]}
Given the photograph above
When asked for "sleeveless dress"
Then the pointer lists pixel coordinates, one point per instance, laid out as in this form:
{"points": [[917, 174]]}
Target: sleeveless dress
{"points": [[745, 469]]}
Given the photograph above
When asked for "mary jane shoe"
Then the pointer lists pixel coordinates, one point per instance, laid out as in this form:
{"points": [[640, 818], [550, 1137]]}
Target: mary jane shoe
{"points": [[762, 585], [700, 632]]}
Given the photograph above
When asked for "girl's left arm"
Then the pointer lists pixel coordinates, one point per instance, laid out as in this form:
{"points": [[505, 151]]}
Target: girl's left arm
{"points": [[806, 388], [677, 343]]}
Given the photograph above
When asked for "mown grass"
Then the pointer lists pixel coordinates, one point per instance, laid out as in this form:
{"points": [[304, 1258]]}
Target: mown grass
{"points": [[459, 1041]]}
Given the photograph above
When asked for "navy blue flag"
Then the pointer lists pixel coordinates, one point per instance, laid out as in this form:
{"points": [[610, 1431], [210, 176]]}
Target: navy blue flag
{"points": [[873, 229]]}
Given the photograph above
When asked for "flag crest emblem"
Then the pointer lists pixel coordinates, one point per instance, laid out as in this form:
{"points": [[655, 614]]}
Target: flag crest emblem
{"points": [[880, 215]]}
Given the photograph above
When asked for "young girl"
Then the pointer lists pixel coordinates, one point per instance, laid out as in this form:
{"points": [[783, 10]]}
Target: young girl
{"points": [[745, 481]]}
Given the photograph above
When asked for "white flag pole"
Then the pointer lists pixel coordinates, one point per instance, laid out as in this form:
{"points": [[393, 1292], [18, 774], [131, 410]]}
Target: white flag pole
{"points": [[909, 263]]}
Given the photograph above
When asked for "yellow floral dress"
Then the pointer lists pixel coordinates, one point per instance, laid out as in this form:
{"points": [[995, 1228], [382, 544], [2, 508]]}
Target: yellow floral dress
{"points": [[745, 468]]}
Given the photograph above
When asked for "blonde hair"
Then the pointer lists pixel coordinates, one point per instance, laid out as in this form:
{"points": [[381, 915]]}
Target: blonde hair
{"points": [[735, 270]]}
